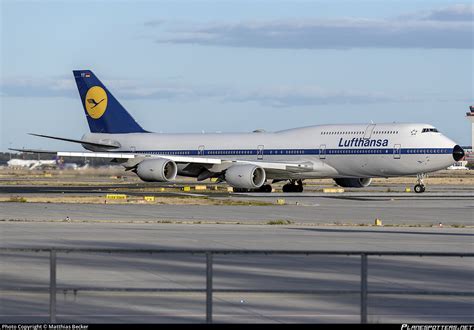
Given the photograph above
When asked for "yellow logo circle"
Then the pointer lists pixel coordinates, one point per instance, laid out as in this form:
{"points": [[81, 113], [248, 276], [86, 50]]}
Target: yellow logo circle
{"points": [[96, 102]]}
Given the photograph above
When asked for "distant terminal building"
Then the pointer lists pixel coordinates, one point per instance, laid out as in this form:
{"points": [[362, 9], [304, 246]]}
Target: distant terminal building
{"points": [[470, 117]]}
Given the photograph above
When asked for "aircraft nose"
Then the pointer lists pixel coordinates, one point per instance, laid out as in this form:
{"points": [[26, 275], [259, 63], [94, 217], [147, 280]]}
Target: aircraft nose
{"points": [[458, 153]]}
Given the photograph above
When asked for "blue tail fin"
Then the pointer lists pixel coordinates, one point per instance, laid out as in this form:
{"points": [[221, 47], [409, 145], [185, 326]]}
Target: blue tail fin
{"points": [[104, 113]]}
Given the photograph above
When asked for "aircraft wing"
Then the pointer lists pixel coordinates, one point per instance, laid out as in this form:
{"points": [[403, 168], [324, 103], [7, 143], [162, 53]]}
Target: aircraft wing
{"points": [[268, 166], [277, 166]]}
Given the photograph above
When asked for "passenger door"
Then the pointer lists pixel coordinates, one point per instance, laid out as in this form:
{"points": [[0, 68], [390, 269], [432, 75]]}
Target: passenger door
{"points": [[368, 131], [260, 149], [322, 151], [201, 150], [397, 151]]}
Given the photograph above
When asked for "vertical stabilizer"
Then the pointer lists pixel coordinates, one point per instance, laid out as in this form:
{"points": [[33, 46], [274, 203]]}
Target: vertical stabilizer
{"points": [[104, 113]]}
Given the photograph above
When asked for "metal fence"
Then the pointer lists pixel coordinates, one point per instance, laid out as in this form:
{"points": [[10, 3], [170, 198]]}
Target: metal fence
{"points": [[209, 290]]}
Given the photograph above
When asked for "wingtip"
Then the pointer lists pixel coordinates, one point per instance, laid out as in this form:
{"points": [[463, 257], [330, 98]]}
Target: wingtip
{"points": [[36, 134]]}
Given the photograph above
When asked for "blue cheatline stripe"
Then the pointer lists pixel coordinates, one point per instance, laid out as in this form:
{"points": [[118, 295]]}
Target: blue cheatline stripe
{"points": [[274, 152]]}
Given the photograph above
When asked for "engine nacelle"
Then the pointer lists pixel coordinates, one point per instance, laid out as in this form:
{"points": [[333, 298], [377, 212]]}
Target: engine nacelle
{"points": [[246, 176], [353, 182], [157, 170]]}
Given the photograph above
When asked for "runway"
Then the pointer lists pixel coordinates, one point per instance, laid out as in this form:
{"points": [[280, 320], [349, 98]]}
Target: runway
{"points": [[237, 272], [310, 210]]}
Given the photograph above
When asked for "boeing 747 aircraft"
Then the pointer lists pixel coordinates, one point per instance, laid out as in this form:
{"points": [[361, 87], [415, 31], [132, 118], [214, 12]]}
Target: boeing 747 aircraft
{"points": [[350, 154]]}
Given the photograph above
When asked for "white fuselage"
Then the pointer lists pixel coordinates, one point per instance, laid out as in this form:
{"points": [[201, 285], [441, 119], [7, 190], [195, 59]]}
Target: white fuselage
{"points": [[335, 151]]}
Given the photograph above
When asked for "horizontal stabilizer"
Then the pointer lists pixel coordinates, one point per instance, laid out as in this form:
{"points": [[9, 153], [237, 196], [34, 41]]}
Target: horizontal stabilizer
{"points": [[92, 144], [34, 151]]}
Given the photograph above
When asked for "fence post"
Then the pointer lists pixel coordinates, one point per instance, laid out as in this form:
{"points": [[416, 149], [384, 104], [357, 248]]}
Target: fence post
{"points": [[52, 286], [363, 288], [209, 287]]}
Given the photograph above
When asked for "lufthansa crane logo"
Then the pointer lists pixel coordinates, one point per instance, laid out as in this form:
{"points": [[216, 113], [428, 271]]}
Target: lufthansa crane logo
{"points": [[96, 102]]}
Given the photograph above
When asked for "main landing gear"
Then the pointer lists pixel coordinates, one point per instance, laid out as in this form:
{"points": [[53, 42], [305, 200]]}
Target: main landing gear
{"points": [[266, 188], [293, 186], [420, 186]]}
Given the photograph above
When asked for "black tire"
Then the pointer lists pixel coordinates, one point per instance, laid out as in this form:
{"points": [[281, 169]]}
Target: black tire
{"points": [[419, 188], [241, 190], [288, 188], [266, 188], [292, 188]]}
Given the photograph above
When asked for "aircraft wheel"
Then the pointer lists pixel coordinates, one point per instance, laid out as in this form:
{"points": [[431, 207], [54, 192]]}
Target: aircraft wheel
{"points": [[287, 188], [292, 188], [266, 188], [241, 190], [419, 188]]}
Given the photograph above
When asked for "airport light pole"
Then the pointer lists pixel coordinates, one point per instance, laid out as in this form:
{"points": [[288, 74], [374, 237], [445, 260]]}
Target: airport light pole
{"points": [[470, 117]]}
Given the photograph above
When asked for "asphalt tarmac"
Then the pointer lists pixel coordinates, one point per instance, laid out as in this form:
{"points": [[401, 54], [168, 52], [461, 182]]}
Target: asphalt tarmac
{"points": [[308, 210], [30, 271], [312, 221]]}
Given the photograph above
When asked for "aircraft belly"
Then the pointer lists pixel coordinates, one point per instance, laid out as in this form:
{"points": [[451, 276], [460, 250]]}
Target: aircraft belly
{"points": [[421, 163], [352, 166], [374, 165]]}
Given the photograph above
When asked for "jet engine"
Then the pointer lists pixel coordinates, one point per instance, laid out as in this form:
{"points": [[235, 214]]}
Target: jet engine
{"points": [[245, 176], [157, 170], [353, 182]]}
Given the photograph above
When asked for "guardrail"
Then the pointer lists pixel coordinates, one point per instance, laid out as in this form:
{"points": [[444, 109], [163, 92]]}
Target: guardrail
{"points": [[209, 290]]}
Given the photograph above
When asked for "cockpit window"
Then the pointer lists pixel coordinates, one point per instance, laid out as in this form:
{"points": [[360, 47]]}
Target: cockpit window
{"points": [[425, 130]]}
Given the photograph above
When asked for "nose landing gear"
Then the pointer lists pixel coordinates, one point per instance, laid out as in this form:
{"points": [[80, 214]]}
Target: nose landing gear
{"points": [[420, 186]]}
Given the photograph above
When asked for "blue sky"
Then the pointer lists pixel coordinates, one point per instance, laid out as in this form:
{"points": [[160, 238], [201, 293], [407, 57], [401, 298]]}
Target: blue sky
{"points": [[192, 66]]}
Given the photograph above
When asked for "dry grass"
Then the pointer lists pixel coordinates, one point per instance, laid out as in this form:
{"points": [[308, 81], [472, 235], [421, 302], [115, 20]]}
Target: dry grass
{"points": [[279, 222], [184, 200]]}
